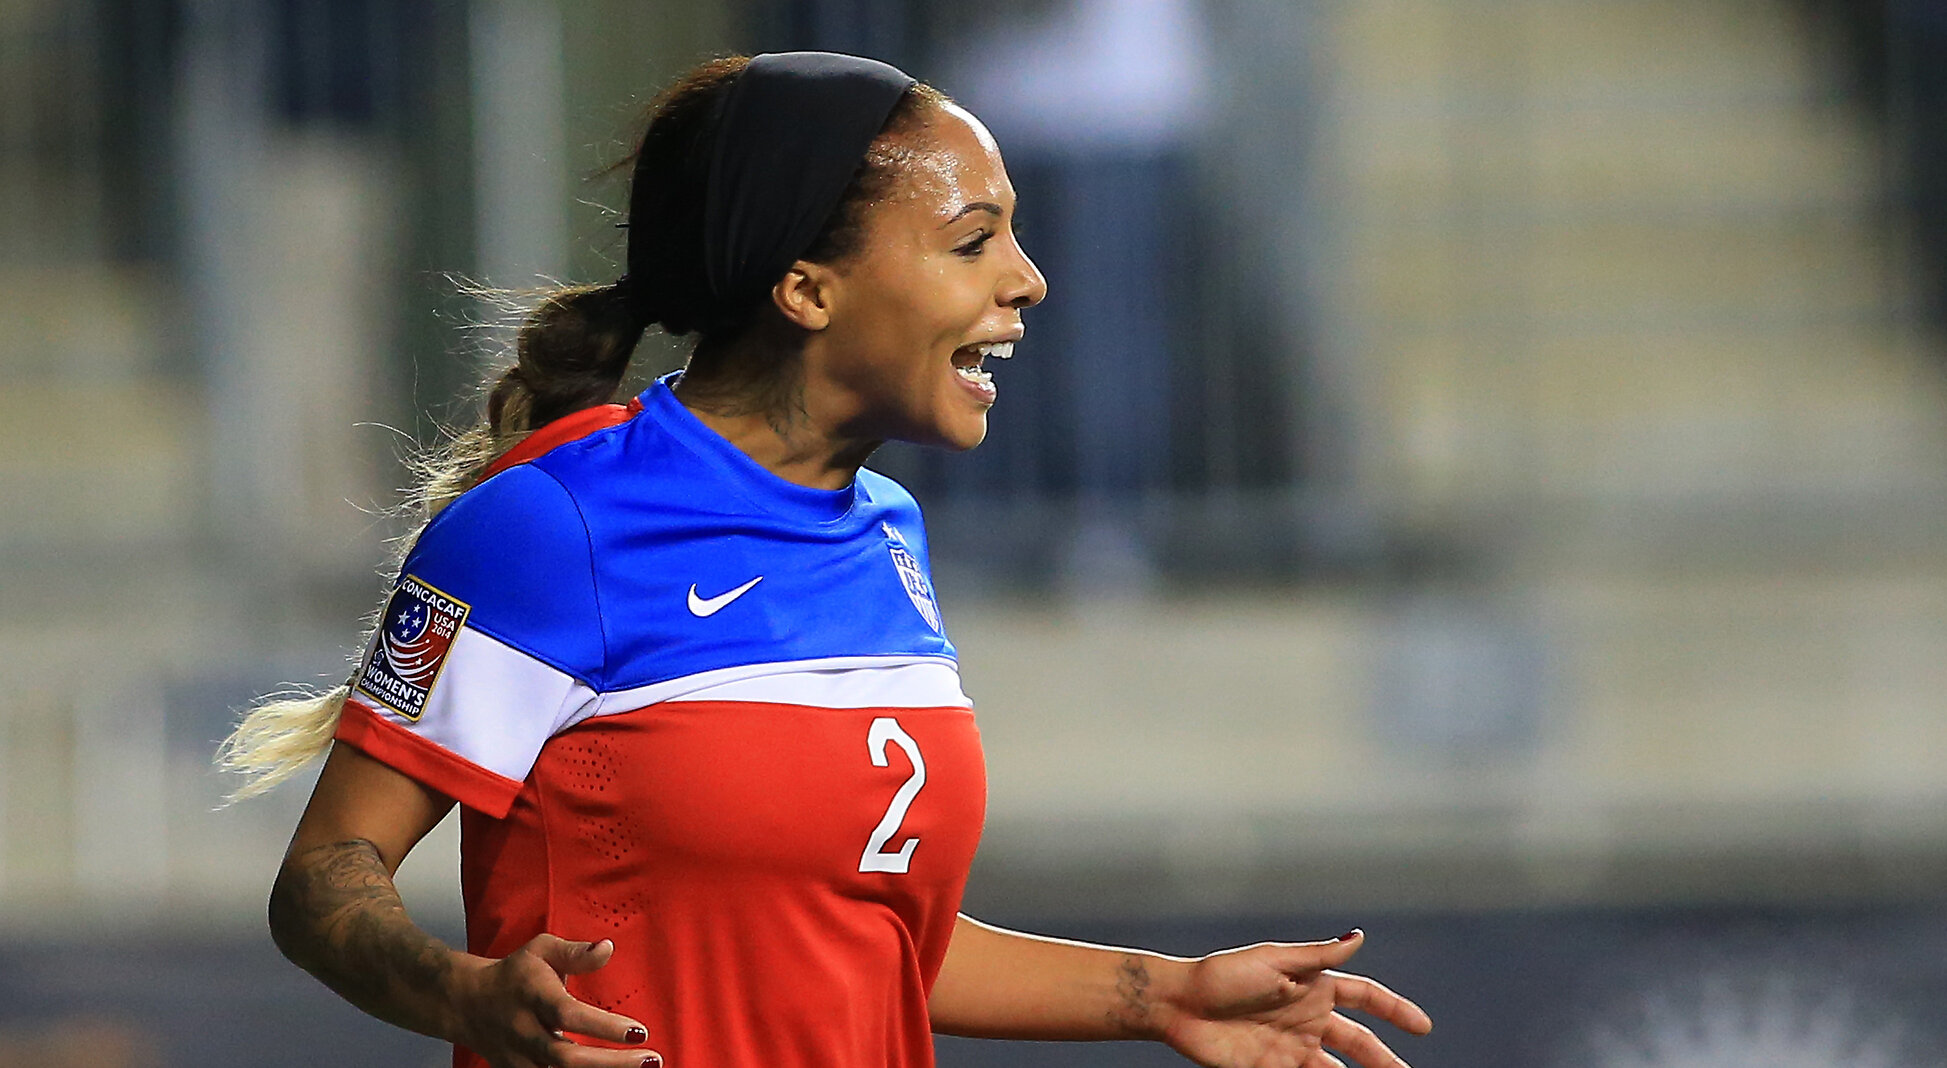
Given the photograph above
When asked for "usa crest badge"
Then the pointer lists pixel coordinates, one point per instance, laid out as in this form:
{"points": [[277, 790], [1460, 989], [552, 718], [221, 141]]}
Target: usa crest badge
{"points": [[912, 577], [414, 637]]}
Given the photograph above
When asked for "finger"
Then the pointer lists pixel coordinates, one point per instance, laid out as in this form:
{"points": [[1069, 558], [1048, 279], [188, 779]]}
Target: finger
{"points": [[538, 1044], [1322, 1059], [1296, 958], [568, 1054], [1372, 997], [1357, 1041], [584, 1019], [571, 958]]}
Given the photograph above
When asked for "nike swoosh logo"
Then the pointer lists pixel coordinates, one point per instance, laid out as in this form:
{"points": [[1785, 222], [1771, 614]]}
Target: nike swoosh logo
{"points": [[701, 607]]}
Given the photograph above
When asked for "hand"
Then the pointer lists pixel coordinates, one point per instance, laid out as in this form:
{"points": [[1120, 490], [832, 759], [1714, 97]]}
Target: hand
{"points": [[1273, 1005], [514, 1011]]}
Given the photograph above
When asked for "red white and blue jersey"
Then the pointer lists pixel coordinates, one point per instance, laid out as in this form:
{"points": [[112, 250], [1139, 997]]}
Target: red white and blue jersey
{"points": [[704, 712]]}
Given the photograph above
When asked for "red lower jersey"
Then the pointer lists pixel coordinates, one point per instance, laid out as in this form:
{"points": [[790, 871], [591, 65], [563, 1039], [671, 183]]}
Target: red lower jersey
{"points": [[719, 846]]}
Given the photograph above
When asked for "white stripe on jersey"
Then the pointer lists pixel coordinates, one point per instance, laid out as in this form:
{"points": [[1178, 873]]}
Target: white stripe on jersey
{"points": [[825, 682], [927, 684], [495, 705]]}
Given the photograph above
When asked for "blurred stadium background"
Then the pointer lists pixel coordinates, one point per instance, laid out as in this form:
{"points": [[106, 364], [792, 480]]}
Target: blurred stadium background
{"points": [[1481, 475]]}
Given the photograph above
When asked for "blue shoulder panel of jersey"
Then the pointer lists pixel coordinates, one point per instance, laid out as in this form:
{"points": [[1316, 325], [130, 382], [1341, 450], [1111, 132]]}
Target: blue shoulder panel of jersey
{"points": [[704, 560], [514, 549]]}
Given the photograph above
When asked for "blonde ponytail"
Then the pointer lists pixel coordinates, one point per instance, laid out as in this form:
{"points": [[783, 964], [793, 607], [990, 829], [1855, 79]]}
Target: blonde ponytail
{"points": [[288, 729], [278, 737]]}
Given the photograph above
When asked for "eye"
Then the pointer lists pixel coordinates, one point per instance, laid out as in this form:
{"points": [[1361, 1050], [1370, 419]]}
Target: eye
{"points": [[972, 248]]}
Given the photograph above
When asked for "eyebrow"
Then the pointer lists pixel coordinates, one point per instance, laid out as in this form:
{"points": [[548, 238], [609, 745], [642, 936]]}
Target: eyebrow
{"points": [[978, 205]]}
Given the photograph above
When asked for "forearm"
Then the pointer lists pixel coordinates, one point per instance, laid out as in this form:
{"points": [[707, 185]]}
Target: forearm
{"points": [[1004, 984], [335, 913]]}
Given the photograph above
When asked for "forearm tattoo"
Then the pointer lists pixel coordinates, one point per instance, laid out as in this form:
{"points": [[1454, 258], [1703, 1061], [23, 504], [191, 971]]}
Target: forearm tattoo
{"points": [[335, 913], [1130, 1015]]}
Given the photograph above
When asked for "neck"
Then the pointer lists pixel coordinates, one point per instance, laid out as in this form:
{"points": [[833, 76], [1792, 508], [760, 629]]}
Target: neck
{"points": [[772, 420]]}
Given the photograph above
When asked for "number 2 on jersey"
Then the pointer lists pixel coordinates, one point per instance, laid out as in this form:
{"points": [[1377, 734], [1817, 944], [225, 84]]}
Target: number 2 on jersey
{"points": [[886, 730]]}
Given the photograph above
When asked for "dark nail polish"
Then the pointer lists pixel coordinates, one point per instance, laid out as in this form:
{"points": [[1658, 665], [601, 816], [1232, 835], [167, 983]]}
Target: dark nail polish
{"points": [[635, 1036], [1350, 935], [654, 1060]]}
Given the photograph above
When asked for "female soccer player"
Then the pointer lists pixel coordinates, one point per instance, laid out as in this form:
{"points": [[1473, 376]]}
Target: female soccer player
{"points": [[680, 663]]}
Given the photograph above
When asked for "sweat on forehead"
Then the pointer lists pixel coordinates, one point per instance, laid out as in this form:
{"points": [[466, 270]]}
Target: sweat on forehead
{"points": [[948, 157]]}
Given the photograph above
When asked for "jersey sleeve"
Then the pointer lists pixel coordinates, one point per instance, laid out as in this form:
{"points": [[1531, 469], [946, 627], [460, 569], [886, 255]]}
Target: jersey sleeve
{"points": [[491, 641]]}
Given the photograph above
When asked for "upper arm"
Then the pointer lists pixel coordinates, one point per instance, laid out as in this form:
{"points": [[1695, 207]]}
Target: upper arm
{"points": [[358, 797], [491, 642]]}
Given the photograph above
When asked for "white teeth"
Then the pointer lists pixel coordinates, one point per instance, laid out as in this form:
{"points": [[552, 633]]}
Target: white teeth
{"points": [[999, 350]]}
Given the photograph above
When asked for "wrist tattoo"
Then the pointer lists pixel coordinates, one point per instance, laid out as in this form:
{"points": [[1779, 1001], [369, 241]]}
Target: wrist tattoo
{"points": [[335, 912], [1131, 1012]]}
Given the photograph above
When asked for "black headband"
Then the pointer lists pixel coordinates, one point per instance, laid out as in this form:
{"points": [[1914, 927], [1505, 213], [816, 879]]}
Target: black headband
{"points": [[792, 131]]}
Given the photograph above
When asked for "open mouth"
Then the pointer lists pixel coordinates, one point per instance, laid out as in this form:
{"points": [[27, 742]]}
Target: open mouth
{"points": [[966, 361]]}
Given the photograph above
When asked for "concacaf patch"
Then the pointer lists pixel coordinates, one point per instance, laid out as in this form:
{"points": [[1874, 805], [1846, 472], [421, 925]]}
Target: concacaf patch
{"points": [[913, 577], [418, 629]]}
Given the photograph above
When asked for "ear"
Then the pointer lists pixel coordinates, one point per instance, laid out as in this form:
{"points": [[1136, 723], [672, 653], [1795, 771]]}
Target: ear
{"points": [[804, 295]]}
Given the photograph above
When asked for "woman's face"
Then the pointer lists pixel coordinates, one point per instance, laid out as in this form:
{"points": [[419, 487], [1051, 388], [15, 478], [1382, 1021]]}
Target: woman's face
{"points": [[934, 295]]}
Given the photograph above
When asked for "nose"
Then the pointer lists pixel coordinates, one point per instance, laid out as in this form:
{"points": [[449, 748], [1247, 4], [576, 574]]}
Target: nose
{"points": [[1023, 286]]}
